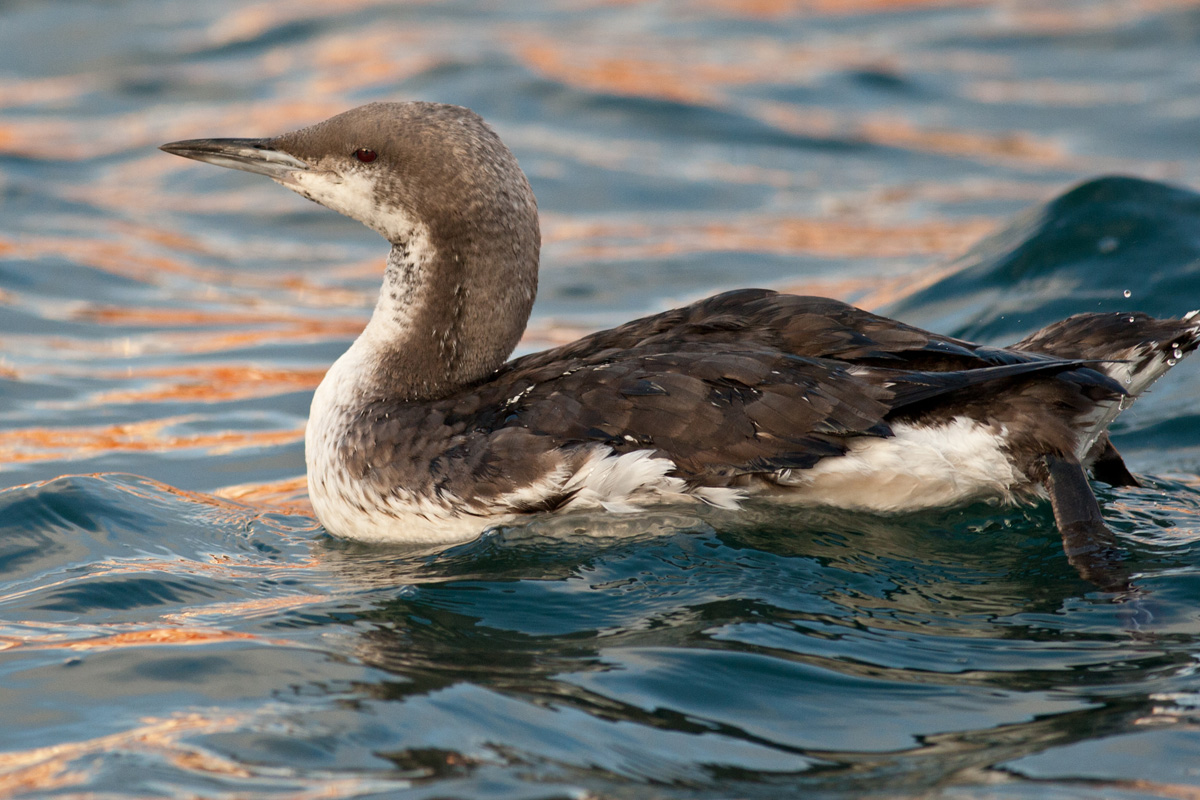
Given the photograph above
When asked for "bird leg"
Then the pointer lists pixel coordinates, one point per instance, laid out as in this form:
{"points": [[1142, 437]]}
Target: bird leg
{"points": [[1089, 544]]}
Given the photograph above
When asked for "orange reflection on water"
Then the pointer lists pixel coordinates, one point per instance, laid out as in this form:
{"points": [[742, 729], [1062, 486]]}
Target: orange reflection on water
{"points": [[252, 20], [212, 383], [172, 739], [834, 238], [209, 342], [872, 291], [892, 130], [288, 496], [124, 256], [44, 444], [52, 139], [171, 342], [1048, 19], [243, 610], [50, 768], [784, 8], [1059, 94], [129, 256], [140, 638], [626, 73]]}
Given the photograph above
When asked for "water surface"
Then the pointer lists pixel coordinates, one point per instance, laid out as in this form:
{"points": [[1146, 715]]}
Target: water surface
{"points": [[174, 623]]}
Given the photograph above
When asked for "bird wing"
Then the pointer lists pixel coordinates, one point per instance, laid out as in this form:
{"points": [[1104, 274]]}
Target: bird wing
{"points": [[816, 327], [719, 413], [748, 382], [716, 413]]}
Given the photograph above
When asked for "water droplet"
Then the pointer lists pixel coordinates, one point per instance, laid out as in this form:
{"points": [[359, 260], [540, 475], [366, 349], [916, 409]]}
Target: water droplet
{"points": [[1178, 353], [1108, 244], [1128, 293], [1171, 362], [1131, 319], [1129, 380]]}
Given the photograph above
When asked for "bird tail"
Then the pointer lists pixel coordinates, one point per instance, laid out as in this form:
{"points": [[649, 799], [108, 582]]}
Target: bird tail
{"points": [[1132, 348]]}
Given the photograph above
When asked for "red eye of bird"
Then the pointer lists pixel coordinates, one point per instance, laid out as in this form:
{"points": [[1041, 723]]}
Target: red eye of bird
{"points": [[364, 155]]}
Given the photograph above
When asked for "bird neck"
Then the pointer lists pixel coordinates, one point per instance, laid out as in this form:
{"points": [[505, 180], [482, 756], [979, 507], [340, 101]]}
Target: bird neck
{"points": [[450, 311]]}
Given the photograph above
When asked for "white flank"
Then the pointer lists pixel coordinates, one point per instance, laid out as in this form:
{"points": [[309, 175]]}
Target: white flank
{"points": [[720, 496], [613, 482], [918, 468], [622, 483]]}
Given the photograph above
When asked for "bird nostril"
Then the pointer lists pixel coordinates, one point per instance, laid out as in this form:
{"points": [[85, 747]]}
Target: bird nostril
{"points": [[364, 155]]}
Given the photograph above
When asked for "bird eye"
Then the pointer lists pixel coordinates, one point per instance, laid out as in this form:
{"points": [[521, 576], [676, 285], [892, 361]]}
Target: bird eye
{"points": [[364, 155]]}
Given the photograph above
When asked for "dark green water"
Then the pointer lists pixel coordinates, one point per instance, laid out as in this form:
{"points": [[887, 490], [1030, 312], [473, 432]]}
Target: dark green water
{"points": [[172, 624]]}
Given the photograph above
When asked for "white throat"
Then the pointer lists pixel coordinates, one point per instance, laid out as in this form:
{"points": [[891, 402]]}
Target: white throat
{"points": [[357, 196], [351, 380]]}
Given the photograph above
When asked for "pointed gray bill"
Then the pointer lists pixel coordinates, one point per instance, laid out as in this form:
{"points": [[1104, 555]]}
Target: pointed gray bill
{"points": [[248, 155]]}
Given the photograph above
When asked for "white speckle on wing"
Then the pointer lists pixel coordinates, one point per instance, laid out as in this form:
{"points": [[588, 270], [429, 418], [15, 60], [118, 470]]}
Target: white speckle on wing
{"points": [[519, 396]]}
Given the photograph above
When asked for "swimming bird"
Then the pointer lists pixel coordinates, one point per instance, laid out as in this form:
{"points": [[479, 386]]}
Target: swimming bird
{"points": [[423, 432]]}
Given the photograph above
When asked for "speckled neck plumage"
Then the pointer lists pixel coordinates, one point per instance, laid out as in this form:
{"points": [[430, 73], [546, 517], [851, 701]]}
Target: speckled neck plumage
{"points": [[462, 274], [426, 336]]}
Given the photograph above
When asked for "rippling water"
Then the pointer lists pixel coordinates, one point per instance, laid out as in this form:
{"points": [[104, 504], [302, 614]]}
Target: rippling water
{"points": [[174, 623]]}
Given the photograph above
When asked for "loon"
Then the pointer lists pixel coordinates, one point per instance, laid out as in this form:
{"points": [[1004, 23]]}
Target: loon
{"points": [[423, 431]]}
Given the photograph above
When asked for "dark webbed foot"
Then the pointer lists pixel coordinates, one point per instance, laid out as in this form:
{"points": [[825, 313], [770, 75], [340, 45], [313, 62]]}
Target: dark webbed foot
{"points": [[1110, 467], [1090, 546]]}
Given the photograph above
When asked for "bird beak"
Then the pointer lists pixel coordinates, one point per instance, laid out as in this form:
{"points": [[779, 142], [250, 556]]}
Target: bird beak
{"points": [[248, 155]]}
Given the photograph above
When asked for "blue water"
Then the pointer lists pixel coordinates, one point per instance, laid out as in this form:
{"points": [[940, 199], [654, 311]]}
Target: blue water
{"points": [[173, 622]]}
